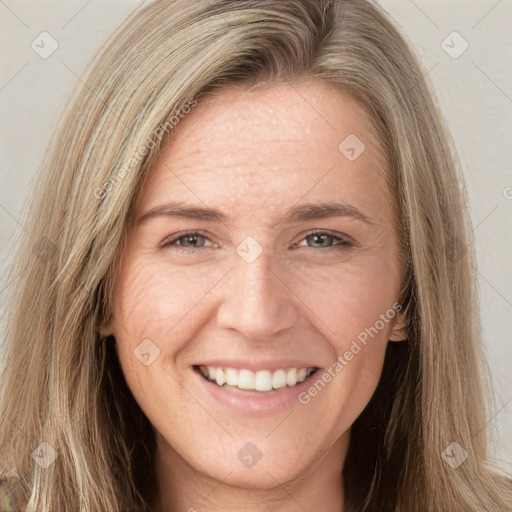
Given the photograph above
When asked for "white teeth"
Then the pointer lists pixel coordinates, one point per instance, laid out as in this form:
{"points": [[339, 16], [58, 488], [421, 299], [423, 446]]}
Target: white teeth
{"points": [[279, 379], [219, 376], [231, 377], [245, 379], [301, 374], [262, 380], [291, 377]]}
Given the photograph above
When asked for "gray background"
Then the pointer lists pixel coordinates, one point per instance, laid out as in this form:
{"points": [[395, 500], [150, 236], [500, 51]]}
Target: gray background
{"points": [[474, 89]]}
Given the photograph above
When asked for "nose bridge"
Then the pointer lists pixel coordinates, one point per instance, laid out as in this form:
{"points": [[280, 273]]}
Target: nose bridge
{"points": [[257, 281], [257, 302]]}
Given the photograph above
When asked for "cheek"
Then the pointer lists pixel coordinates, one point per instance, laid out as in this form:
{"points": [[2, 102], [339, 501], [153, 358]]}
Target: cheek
{"points": [[340, 392], [156, 303], [354, 306], [152, 300], [349, 299]]}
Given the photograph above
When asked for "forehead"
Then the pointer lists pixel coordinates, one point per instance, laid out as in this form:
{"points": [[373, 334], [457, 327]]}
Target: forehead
{"points": [[247, 148]]}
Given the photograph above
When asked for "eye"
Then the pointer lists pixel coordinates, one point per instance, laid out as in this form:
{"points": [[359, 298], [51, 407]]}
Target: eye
{"points": [[190, 240], [322, 240], [194, 240]]}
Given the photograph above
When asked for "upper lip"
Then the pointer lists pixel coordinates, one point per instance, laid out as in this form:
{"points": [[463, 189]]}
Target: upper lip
{"points": [[256, 365]]}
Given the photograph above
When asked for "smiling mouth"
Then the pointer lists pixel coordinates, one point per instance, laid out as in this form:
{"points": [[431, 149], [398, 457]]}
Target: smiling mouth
{"points": [[259, 381]]}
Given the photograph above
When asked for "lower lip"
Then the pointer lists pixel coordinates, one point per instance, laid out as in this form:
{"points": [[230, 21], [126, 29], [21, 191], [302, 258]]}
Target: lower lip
{"points": [[254, 402]]}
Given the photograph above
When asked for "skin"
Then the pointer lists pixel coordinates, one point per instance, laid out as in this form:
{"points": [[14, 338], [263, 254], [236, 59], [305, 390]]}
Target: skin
{"points": [[252, 153]]}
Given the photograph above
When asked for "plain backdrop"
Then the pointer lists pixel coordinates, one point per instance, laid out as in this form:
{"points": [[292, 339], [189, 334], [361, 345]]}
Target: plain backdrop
{"points": [[466, 49]]}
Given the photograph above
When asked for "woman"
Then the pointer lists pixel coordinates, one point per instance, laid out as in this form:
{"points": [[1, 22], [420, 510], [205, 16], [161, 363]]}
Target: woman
{"points": [[254, 278]]}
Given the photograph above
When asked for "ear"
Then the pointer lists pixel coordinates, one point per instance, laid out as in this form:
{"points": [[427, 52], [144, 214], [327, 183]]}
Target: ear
{"points": [[400, 330], [105, 329]]}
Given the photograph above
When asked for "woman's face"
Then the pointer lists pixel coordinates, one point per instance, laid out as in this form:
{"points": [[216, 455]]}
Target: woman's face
{"points": [[263, 243]]}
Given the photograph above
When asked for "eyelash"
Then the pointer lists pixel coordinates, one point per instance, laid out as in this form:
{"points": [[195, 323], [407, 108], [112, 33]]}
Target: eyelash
{"points": [[341, 242]]}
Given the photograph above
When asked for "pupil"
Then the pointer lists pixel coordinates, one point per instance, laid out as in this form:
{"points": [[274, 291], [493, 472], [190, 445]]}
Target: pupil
{"points": [[319, 239]]}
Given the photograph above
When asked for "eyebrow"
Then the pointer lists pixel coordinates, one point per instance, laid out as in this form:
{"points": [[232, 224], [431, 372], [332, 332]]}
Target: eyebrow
{"points": [[302, 212]]}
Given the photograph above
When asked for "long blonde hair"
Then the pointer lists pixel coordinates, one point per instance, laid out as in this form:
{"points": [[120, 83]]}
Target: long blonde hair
{"points": [[62, 383]]}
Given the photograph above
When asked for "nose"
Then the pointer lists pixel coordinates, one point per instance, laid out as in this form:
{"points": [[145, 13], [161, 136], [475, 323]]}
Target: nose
{"points": [[257, 301]]}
